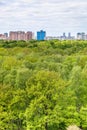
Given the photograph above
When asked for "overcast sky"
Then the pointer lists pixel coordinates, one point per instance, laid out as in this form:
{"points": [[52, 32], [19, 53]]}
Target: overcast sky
{"points": [[54, 16]]}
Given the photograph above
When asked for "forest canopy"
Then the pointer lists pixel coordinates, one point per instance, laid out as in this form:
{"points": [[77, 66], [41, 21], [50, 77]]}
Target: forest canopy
{"points": [[43, 85]]}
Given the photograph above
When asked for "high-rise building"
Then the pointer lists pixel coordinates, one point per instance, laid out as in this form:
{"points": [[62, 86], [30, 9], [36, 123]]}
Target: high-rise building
{"points": [[81, 36], [41, 35], [6, 35], [3, 37], [28, 35], [20, 35], [69, 35], [64, 35], [13, 35]]}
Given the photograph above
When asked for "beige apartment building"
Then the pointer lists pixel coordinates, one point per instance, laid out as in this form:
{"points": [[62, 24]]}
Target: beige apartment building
{"points": [[20, 35]]}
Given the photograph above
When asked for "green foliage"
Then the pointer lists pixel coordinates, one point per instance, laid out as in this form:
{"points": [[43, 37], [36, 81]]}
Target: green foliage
{"points": [[43, 85], [45, 95]]}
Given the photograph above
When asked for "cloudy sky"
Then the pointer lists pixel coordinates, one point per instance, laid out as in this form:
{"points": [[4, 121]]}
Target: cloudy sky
{"points": [[54, 16]]}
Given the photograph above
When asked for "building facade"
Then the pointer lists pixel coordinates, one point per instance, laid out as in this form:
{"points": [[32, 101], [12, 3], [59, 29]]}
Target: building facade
{"points": [[20, 35], [3, 37], [41, 35], [81, 36]]}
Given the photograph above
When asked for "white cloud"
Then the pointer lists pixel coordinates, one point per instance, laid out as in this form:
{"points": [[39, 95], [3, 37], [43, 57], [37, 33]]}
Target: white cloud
{"points": [[52, 15]]}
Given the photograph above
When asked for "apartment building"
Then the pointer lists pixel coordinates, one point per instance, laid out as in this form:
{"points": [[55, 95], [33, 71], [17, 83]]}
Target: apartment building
{"points": [[3, 37], [20, 35], [41, 35]]}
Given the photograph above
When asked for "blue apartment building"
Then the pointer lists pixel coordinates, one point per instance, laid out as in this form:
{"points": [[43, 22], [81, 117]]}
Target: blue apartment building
{"points": [[41, 35]]}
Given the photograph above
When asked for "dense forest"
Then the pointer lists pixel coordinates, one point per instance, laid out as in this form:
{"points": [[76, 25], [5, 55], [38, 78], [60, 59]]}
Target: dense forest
{"points": [[43, 85]]}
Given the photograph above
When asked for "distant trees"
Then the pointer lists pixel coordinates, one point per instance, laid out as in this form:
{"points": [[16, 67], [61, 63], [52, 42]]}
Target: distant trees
{"points": [[43, 85]]}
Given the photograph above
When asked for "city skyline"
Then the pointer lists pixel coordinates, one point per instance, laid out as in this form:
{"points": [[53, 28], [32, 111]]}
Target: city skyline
{"points": [[54, 16], [41, 35]]}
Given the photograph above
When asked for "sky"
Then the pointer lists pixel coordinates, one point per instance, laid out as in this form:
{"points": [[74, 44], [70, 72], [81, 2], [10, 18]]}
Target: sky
{"points": [[53, 16]]}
